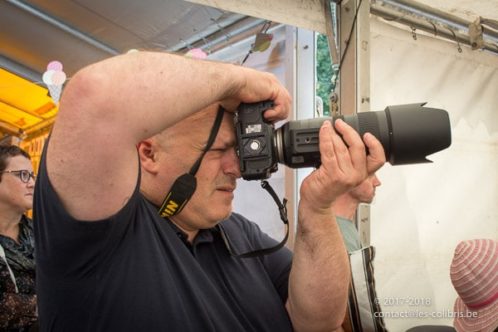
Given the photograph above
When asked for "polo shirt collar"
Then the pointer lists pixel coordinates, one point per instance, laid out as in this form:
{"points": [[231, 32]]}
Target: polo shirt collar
{"points": [[203, 236]]}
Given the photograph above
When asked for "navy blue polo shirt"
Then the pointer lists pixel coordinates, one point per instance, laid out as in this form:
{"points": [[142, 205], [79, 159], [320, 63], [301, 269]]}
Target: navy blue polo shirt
{"points": [[134, 272]]}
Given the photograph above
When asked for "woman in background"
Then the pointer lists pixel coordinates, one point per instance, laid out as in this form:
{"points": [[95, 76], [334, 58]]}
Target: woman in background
{"points": [[17, 263]]}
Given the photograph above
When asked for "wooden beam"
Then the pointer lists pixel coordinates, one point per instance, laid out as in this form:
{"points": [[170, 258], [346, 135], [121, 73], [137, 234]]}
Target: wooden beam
{"points": [[307, 14]]}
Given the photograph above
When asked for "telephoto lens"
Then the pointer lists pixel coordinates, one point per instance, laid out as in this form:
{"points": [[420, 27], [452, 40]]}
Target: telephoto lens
{"points": [[408, 134]]}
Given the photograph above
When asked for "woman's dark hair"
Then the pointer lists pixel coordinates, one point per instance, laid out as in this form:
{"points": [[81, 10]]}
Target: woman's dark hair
{"points": [[9, 151]]}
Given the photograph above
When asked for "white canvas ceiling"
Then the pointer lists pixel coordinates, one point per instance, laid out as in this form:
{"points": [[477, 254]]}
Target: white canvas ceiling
{"points": [[78, 32]]}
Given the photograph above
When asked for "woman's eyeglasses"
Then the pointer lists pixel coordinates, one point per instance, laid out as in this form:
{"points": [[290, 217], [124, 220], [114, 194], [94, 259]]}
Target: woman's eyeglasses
{"points": [[23, 174]]}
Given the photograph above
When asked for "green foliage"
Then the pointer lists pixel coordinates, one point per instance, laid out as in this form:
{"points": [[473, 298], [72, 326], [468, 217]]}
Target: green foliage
{"points": [[325, 72]]}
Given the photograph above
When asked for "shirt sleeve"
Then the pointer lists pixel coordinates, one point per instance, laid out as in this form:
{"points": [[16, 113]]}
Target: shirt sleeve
{"points": [[59, 237]]}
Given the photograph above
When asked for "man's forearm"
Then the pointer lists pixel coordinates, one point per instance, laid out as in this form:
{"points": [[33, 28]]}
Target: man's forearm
{"points": [[319, 278], [146, 92]]}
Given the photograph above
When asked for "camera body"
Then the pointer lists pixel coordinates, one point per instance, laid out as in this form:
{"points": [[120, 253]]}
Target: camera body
{"points": [[255, 141], [408, 133]]}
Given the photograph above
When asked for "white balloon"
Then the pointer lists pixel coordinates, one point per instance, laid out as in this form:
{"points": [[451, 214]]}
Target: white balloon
{"points": [[47, 76], [58, 78]]}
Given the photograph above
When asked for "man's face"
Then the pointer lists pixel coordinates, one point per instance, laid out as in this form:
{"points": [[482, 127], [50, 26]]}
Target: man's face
{"points": [[217, 174], [15, 194], [365, 192]]}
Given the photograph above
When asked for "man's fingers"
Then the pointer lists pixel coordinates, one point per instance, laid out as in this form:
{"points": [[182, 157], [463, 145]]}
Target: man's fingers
{"points": [[376, 156], [260, 86], [277, 113], [343, 155], [326, 145], [353, 141], [280, 110], [335, 155]]}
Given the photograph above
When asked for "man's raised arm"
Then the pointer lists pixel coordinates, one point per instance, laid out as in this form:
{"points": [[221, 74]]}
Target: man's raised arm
{"points": [[319, 278], [109, 106]]}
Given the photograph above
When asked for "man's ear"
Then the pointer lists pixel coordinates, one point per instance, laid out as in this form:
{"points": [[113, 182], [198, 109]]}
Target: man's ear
{"points": [[147, 152]]}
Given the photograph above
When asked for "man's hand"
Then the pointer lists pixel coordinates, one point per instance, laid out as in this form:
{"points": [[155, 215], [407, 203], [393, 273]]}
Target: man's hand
{"points": [[260, 86], [345, 164], [318, 284]]}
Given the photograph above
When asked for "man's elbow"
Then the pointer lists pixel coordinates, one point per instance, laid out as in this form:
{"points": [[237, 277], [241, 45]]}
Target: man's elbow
{"points": [[87, 89]]}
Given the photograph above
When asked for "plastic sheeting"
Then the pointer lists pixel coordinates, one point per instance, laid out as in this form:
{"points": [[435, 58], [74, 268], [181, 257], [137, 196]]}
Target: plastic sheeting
{"points": [[422, 211]]}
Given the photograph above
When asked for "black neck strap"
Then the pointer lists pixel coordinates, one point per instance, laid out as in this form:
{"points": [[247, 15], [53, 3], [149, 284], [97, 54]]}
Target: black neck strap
{"points": [[212, 137], [184, 187], [282, 207]]}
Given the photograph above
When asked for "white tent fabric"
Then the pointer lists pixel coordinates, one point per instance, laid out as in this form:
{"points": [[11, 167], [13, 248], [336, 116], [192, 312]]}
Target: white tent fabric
{"points": [[422, 211]]}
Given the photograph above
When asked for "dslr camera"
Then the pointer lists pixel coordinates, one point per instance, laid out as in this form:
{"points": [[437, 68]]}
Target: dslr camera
{"points": [[408, 133]]}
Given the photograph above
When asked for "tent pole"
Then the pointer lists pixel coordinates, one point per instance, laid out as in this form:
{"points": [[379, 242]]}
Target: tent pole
{"points": [[423, 23]]}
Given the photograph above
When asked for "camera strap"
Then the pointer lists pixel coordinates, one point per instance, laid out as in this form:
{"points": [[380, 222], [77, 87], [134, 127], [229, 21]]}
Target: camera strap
{"points": [[282, 207], [184, 187]]}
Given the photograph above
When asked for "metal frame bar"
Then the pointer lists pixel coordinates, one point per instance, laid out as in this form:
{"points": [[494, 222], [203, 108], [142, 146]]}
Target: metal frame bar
{"points": [[431, 20], [72, 31], [435, 14]]}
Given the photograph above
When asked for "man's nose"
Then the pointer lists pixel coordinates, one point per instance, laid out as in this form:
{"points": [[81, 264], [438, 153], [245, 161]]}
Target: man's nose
{"points": [[376, 181], [231, 164]]}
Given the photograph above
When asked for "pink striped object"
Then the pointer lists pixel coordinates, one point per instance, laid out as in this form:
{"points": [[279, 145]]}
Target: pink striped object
{"points": [[474, 274]]}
